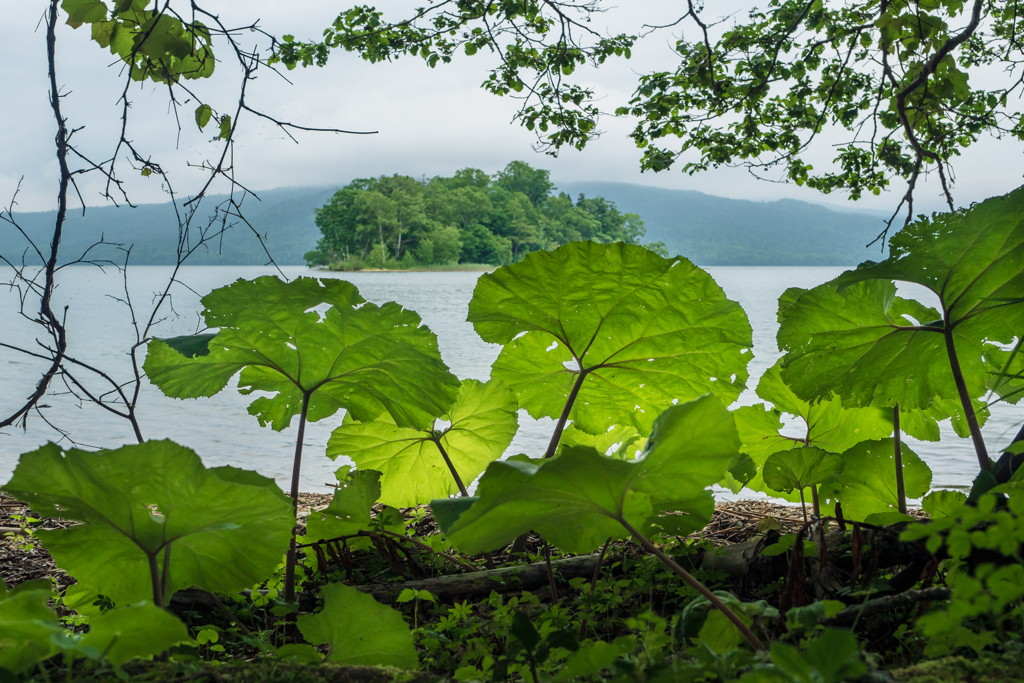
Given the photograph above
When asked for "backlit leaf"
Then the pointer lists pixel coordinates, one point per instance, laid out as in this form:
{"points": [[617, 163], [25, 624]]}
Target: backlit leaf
{"points": [[867, 484], [482, 421], [575, 500], [367, 359], [799, 468], [645, 331], [220, 530], [84, 11]]}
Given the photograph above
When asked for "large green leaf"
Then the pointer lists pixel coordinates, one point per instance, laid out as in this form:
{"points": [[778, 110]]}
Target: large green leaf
{"points": [[482, 423], [125, 633], [824, 424], [867, 484], [580, 498], [367, 359], [220, 530], [855, 337], [359, 630], [26, 627], [623, 442], [860, 344], [796, 469], [350, 507], [645, 331]]}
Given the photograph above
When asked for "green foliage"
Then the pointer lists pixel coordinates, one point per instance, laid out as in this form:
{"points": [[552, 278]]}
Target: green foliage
{"points": [[359, 630], [156, 45], [153, 511], [349, 510], [26, 626], [367, 360], [535, 46], [629, 331], [581, 498], [416, 464], [467, 218], [985, 606], [125, 633], [867, 484], [833, 657], [853, 336], [800, 468]]}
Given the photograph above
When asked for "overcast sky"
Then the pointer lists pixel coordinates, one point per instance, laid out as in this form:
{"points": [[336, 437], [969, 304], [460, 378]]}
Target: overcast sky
{"points": [[430, 121]]}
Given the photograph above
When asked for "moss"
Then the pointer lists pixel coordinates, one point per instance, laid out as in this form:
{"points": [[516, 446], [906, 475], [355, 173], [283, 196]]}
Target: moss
{"points": [[989, 668]]}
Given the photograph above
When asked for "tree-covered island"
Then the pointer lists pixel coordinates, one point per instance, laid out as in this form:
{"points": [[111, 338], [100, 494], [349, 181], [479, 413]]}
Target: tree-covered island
{"points": [[398, 222]]}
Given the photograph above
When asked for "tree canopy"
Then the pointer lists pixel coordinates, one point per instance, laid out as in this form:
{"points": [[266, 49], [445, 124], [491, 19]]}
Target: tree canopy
{"points": [[905, 85], [398, 221]]}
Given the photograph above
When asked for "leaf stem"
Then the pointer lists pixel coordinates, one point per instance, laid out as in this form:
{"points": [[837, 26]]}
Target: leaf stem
{"points": [[289, 571], [564, 417], [901, 489], [965, 398], [451, 468], [696, 585], [154, 577]]}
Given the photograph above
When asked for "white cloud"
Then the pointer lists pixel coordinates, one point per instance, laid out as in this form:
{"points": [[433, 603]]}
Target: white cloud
{"points": [[430, 121]]}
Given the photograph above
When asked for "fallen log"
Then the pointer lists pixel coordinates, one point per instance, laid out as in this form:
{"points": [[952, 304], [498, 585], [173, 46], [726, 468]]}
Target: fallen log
{"points": [[449, 587], [847, 616]]}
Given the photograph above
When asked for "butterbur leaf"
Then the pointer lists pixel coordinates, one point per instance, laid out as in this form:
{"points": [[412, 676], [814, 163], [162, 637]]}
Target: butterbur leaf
{"points": [[368, 360], [864, 343], [125, 633], [944, 503], [643, 331], [359, 630], [799, 468], [482, 422], [579, 499], [621, 441], [350, 507], [26, 627], [154, 500], [867, 484], [854, 336]]}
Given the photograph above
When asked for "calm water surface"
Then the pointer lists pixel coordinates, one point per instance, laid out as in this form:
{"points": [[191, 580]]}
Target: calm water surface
{"points": [[221, 431]]}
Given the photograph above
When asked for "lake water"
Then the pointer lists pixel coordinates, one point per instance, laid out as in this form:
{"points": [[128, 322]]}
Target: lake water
{"points": [[221, 431]]}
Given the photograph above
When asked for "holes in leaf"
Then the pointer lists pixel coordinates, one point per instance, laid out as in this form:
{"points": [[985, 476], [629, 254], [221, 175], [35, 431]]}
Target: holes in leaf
{"points": [[572, 365], [554, 345]]}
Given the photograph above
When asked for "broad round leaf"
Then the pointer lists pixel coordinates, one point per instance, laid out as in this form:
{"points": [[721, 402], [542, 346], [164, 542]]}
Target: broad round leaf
{"points": [[799, 468], [350, 507], [367, 359], [224, 529], [854, 336], [360, 630], [579, 499], [26, 625], [125, 633], [867, 484], [482, 420], [646, 332], [621, 441]]}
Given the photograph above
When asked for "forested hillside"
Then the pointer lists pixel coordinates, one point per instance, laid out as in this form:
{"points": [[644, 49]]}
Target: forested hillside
{"points": [[709, 230], [400, 222], [715, 231]]}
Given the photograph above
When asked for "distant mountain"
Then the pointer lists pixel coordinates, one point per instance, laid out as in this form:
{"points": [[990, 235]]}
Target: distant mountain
{"points": [[707, 229], [284, 217], [715, 231]]}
